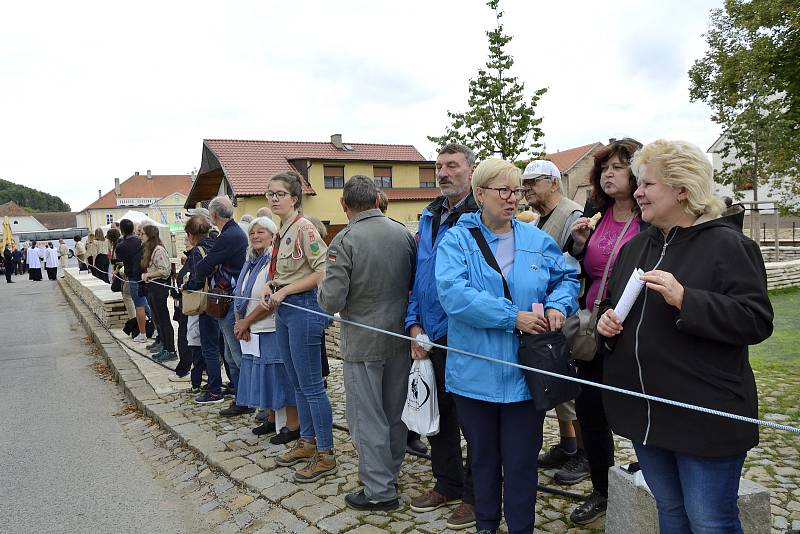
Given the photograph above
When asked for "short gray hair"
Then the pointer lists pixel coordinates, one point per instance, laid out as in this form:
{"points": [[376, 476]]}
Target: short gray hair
{"points": [[265, 223], [246, 218], [360, 193], [457, 148], [221, 206]]}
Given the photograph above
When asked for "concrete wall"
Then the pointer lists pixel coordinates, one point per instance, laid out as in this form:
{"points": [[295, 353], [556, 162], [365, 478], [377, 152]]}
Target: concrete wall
{"points": [[783, 274]]}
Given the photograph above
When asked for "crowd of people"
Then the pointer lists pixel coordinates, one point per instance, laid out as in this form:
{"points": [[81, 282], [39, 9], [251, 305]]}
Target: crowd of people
{"points": [[270, 286], [32, 258]]}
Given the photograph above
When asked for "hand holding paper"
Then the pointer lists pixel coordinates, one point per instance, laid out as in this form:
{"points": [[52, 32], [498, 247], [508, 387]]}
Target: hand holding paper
{"points": [[629, 295]]}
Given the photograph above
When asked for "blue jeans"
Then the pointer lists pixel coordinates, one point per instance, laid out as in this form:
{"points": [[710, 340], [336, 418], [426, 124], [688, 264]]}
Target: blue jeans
{"points": [[693, 493], [139, 302], [233, 350], [209, 345], [299, 336]]}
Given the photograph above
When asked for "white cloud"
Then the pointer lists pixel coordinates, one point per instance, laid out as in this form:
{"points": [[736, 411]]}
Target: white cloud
{"points": [[95, 90]]}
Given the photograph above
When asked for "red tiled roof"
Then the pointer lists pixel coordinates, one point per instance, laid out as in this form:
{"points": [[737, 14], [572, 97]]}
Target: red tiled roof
{"points": [[566, 159], [139, 186], [12, 209], [412, 193], [249, 164], [55, 220]]}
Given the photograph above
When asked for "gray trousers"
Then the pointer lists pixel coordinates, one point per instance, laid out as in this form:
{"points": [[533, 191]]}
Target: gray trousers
{"points": [[376, 394]]}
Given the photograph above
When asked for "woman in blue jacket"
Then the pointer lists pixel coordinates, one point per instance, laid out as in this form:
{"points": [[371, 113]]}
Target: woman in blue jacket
{"points": [[494, 405]]}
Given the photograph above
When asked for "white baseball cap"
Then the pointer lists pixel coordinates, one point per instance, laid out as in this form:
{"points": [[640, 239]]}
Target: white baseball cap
{"points": [[541, 167]]}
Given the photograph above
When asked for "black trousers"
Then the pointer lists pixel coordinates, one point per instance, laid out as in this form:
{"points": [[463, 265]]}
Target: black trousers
{"points": [[597, 439], [185, 352], [52, 272], [453, 477], [504, 440], [158, 302], [7, 267], [101, 267]]}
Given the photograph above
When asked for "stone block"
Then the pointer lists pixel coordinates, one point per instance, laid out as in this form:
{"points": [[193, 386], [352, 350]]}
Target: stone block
{"points": [[632, 508]]}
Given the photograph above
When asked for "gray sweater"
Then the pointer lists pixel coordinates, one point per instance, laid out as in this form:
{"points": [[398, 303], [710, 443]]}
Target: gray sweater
{"points": [[368, 276]]}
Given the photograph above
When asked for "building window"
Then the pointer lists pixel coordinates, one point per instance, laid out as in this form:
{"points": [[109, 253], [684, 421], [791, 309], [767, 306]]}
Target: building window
{"points": [[383, 177], [109, 218], [178, 216], [427, 177], [334, 177]]}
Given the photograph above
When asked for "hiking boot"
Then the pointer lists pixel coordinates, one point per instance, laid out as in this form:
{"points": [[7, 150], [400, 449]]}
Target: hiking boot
{"points": [[462, 517], [321, 465], [359, 501], [592, 508], [430, 501], [302, 451], [556, 457], [575, 470]]}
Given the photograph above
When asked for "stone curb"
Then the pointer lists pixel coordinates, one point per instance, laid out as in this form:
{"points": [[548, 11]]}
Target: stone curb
{"points": [[140, 393]]}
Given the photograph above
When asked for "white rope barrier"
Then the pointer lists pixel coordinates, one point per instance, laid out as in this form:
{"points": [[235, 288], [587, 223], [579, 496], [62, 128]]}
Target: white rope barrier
{"points": [[679, 404]]}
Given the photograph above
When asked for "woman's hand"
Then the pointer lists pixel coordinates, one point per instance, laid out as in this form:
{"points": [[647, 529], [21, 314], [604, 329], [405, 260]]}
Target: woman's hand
{"points": [[241, 329], [266, 293], [145, 276], [609, 325], [555, 319], [666, 285], [580, 231], [531, 323]]}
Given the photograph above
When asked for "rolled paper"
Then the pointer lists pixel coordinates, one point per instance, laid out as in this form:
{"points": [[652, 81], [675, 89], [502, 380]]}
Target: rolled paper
{"points": [[629, 296]]}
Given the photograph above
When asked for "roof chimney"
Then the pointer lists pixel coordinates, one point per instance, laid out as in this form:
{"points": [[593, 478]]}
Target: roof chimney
{"points": [[99, 193], [149, 175], [612, 140], [117, 190], [136, 173], [336, 140], [194, 176]]}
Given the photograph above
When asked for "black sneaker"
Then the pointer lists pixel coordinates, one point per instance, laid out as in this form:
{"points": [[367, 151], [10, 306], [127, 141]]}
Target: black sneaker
{"points": [[416, 446], [359, 501], [165, 356], [199, 390], [575, 470], [268, 427], [590, 509], [155, 348], [234, 409], [285, 436], [228, 391], [209, 398], [554, 458]]}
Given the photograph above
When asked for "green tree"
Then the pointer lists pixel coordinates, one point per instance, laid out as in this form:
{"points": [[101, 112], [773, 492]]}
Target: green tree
{"points": [[500, 120], [747, 79], [32, 200]]}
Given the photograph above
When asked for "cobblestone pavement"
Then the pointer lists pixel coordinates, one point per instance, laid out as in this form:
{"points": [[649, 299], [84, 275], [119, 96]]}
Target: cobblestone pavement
{"points": [[245, 490]]}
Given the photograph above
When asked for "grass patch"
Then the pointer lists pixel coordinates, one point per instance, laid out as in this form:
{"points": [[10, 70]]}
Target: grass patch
{"points": [[782, 349]]}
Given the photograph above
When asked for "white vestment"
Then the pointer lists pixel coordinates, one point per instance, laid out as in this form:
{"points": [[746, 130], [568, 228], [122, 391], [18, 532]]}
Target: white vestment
{"points": [[50, 257], [33, 259]]}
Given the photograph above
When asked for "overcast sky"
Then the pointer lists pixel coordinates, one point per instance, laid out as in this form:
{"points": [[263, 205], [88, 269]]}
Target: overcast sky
{"points": [[90, 91]]}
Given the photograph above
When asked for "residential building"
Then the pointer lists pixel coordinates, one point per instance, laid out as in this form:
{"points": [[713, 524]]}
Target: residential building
{"points": [[20, 220], [159, 196], [241, 169]]}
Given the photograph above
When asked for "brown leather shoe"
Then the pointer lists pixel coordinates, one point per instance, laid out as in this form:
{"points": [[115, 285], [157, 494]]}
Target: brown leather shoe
{"points": [[321, 465], [462, 517], [302, 451], [430, 501]]}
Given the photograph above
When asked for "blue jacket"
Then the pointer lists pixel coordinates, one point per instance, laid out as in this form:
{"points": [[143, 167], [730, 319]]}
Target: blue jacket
{"points": [[423, 304], [224, 261], [481, 319]]}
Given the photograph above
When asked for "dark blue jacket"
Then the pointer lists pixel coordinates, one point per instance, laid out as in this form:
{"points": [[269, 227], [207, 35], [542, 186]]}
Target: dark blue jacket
{"points": [[224, 261], [424, 308], [129, 252]]}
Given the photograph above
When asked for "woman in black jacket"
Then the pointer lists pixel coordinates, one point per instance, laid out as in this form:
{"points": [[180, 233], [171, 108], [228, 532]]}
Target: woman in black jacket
{"points": [[686, 338]]}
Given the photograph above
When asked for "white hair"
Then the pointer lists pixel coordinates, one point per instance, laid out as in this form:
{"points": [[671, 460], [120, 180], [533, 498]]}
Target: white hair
{"points": [[264, 222]]}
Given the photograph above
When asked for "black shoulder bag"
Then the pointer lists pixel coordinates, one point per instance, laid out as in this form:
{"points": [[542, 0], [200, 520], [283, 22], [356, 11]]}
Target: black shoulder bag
{"points": [[547, 351]]}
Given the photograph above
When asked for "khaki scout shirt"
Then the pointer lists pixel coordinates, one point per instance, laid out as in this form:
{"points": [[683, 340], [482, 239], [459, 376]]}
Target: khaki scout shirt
{"points": [[302, 251]]}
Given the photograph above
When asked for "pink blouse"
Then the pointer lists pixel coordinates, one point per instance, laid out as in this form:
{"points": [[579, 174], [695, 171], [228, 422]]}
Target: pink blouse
{"points": [[599, 249]]}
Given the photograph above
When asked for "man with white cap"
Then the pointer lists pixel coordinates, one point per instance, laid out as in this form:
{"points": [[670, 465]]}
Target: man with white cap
{"points": [[544, 192]]}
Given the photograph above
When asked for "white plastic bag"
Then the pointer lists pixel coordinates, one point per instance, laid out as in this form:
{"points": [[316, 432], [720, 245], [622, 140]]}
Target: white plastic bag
{"points": [[421, 412]]}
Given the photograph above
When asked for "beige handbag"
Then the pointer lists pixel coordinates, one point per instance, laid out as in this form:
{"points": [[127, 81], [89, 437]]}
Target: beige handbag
{"points": [[195, 302]]}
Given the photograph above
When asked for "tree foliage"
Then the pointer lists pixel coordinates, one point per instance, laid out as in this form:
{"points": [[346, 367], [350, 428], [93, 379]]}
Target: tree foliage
{"points": [[750, 76], [500, 120], [31, 199]]}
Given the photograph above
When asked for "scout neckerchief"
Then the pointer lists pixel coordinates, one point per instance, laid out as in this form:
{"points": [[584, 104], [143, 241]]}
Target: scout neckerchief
{"points": [[273, 263]]}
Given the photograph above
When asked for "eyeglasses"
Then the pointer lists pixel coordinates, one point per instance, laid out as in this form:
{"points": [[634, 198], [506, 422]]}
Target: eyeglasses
{"points": [[277, 194], [534, 180], [505, 192]]}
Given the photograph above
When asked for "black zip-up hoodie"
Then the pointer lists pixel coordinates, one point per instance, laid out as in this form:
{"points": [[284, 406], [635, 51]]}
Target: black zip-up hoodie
{"points": [[698, 354]]}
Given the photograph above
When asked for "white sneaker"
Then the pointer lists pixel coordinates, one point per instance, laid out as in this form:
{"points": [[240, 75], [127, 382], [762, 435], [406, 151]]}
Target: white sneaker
{"points": [[141, 338], [175, 378]]}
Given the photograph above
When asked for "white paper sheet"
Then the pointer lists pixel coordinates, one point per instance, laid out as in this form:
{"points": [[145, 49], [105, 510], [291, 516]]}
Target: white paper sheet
{"points": [[629, 296], [251, 347]]}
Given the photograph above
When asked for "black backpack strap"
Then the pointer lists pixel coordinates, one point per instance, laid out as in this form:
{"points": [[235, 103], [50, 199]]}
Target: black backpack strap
{"points": [[489, 257]]}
